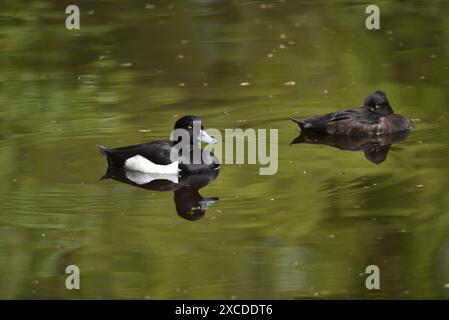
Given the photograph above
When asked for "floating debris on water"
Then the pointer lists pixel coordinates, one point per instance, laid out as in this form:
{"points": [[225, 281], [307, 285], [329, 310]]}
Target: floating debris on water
{"points": [[244, 84], [145, 130], [419, 186], [289, 83], [264, 6]]}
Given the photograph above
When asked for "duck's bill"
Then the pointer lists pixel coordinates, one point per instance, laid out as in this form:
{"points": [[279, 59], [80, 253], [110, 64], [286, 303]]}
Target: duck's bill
{"points": [[204, 137]]}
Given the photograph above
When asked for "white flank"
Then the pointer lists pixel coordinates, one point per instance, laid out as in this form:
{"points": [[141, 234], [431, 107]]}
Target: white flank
{"points": [[141, 178], [141, 164]]}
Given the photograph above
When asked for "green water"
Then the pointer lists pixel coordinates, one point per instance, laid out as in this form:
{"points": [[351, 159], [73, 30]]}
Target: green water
{"points": [[307, 232]]}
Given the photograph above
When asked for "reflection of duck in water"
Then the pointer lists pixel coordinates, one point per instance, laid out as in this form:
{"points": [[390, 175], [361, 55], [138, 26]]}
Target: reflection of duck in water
{"points": [[190, 205], [375, 147]]}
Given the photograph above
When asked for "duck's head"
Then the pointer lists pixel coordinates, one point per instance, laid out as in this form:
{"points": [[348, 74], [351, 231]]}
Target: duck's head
{"points": [[377, 103], [195, 129]]}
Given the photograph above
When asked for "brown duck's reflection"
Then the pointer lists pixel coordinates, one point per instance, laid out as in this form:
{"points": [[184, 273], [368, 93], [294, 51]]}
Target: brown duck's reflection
{"points": [[190, 205], [375, 148]]}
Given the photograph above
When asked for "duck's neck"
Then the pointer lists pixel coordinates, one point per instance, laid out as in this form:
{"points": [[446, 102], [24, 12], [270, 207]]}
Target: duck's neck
{"points": [[187, 146]]}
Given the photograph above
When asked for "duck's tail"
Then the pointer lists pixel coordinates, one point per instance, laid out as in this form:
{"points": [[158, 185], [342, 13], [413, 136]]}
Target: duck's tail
{"points": [[106, 152], [300, 123], [102, 149]]}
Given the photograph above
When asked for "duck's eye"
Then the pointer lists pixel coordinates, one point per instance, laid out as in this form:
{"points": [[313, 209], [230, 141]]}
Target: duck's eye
{"points": [[189, 126], [377, 107]]}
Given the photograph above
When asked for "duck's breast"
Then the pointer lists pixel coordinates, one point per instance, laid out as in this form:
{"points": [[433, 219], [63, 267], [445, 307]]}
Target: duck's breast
{"points": [[393, 123]]}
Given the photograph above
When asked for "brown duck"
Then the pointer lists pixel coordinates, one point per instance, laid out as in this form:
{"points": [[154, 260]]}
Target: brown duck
{"points": [[376, 117]]}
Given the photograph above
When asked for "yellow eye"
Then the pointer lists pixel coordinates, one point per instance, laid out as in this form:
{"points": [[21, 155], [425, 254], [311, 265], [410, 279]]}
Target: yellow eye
{"points": [[189, 126]]}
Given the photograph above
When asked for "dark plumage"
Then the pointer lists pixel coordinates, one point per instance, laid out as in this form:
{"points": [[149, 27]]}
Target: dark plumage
{"points": [[159, 152], [376, 117]]}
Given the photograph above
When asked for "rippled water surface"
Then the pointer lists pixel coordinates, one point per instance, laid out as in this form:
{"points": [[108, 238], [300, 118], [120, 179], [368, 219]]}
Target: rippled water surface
{"points": [[133, 69]]}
